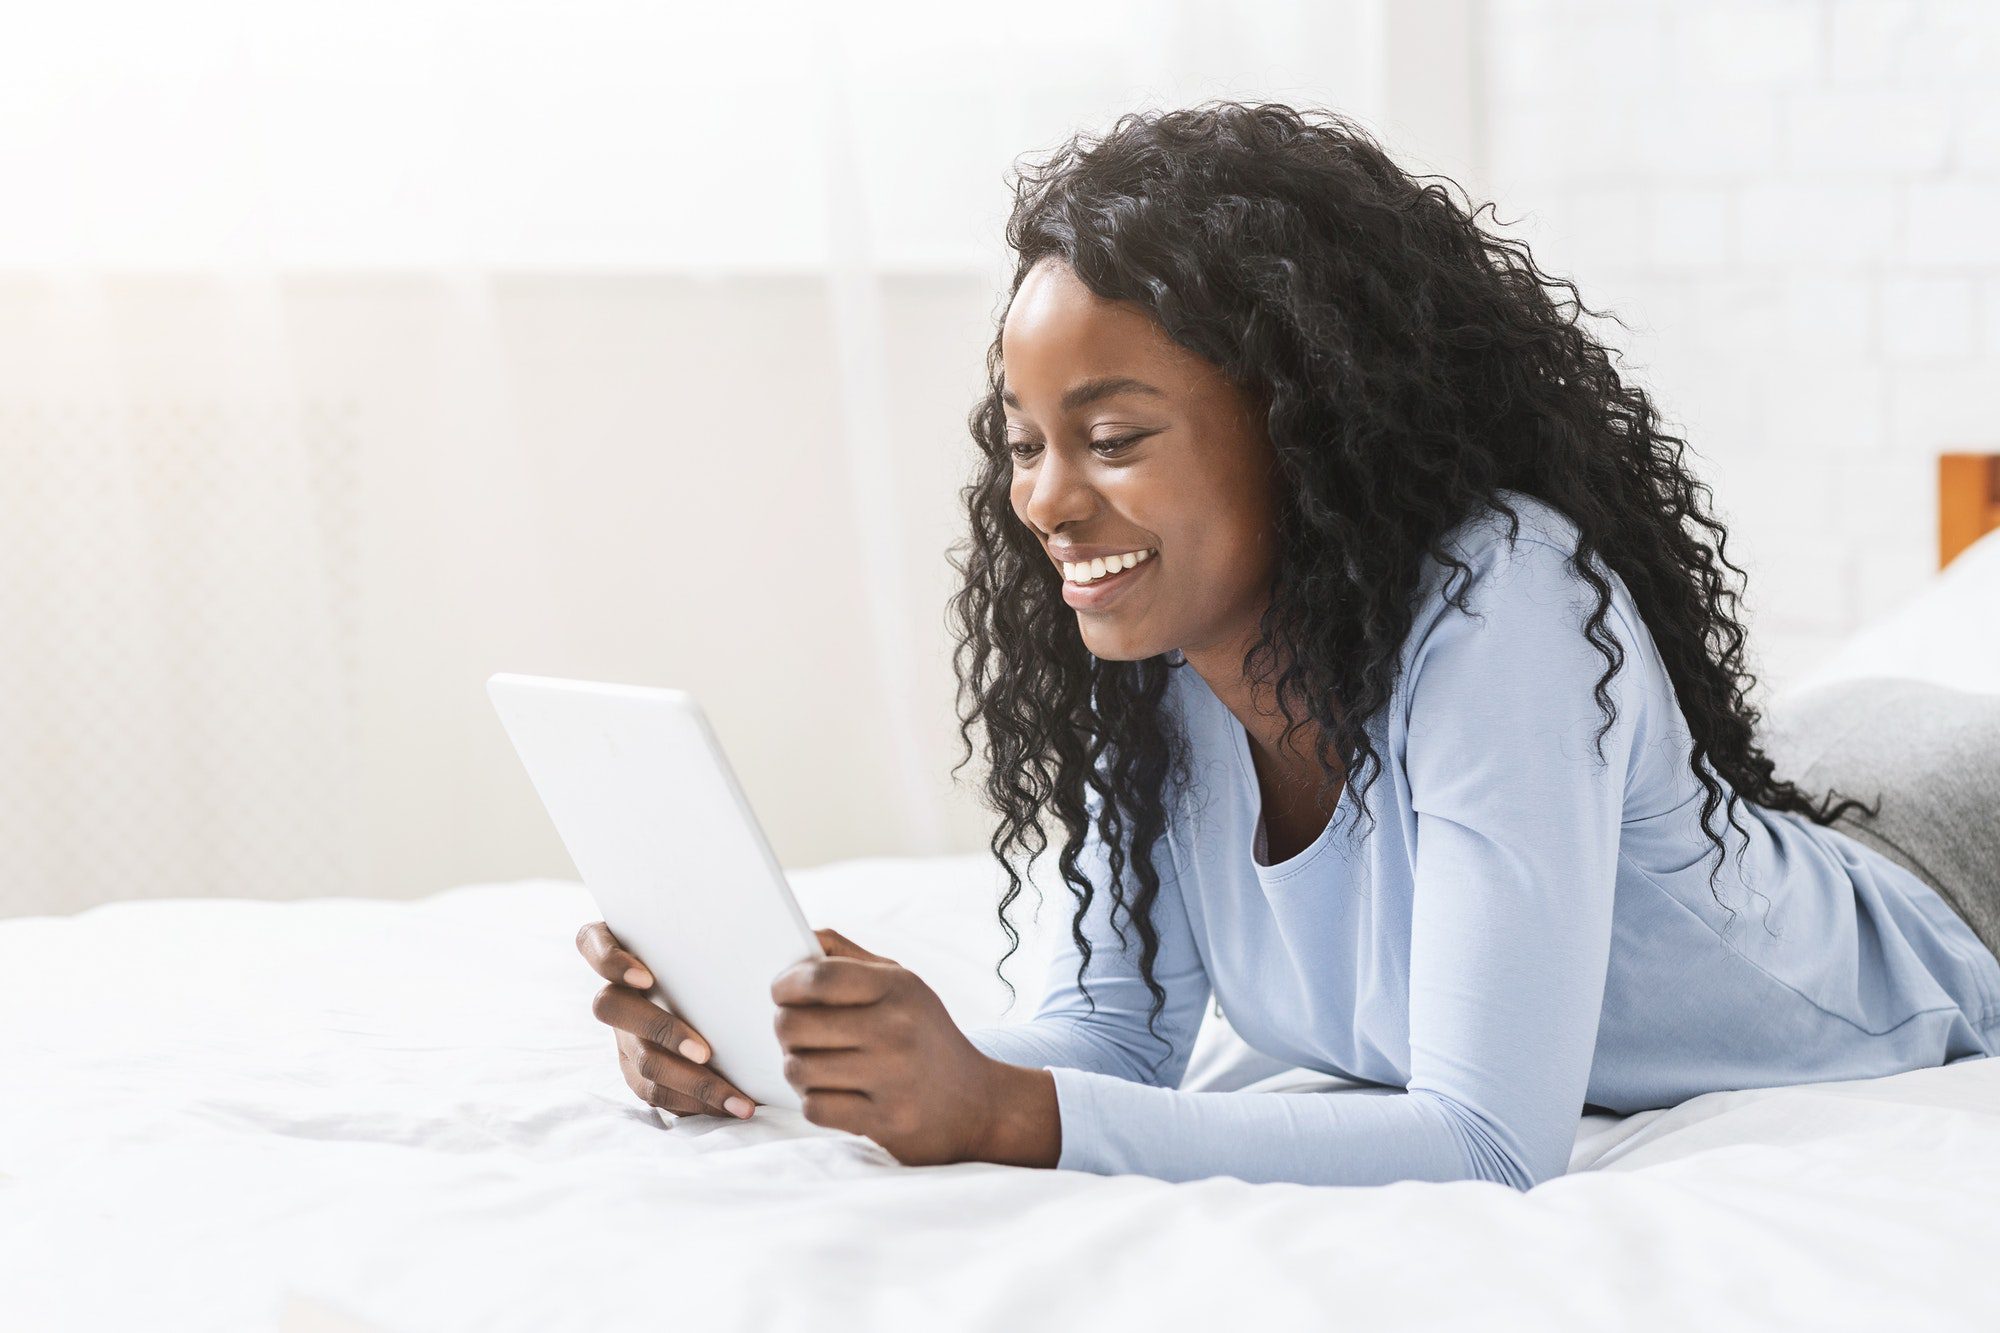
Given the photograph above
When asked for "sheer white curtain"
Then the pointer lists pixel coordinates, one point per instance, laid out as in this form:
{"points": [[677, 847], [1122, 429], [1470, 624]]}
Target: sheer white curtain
{"points": [[177, 668], [329, 340]]}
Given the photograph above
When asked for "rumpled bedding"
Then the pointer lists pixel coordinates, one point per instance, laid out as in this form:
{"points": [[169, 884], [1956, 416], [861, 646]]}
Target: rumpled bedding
{"points": [[355, 1114]]}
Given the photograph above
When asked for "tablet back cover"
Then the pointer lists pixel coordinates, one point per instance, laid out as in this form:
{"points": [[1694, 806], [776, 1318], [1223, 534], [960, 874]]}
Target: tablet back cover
{"points": [[663, 838]]}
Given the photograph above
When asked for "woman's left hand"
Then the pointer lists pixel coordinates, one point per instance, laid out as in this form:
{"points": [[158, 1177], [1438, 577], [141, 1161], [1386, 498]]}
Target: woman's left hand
{"points": [[871, 1050]]}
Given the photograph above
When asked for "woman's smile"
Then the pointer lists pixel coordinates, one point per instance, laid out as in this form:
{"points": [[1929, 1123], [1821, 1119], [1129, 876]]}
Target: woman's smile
{"points": [[1083, 569], [1087, 591]]}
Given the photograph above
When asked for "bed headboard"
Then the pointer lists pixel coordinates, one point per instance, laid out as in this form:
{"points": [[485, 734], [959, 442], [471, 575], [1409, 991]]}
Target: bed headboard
{"points": [[1968, 501]]}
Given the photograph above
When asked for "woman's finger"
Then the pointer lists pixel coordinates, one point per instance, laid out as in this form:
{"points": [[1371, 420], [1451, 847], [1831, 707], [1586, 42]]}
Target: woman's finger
{"points": [[829, 1071], [610, 959], [629, 1011], [820, 1026], [834, 980], [675, 1074], [645, 1089], [840, 946]]}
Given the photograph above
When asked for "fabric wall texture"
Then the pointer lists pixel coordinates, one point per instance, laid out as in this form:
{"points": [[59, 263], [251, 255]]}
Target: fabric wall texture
{"points": [[265, 543]]}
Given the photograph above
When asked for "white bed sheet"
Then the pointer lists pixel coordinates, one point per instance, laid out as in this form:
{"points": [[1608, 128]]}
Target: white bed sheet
{"points": [[341, 1114]]}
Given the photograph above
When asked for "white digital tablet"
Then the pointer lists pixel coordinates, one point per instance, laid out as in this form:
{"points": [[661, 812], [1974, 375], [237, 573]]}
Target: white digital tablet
{"points": [[650, 811]]}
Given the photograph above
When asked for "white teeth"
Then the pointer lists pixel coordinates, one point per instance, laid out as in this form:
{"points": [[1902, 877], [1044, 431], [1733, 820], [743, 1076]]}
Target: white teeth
{"points": [[1089, 571]]}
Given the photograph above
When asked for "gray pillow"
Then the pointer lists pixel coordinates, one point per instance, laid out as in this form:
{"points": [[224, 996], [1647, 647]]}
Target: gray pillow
{"points": [[1930, 753]]}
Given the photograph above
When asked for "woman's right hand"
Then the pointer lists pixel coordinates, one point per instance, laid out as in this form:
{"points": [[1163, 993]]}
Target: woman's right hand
{"points": [[663, 1059]]}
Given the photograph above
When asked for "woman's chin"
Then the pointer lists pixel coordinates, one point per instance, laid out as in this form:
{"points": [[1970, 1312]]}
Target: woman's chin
{"points": [[1113, 643]]}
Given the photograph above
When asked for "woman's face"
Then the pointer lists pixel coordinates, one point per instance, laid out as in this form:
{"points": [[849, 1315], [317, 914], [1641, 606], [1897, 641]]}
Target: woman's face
{"points": [[1124, 441]]}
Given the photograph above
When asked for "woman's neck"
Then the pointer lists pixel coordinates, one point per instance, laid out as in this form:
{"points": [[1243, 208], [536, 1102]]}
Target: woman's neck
{"points": [[1255, 705]]}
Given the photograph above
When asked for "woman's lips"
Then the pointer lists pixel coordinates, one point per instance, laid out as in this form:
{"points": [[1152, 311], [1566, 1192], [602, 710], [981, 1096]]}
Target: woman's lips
{"points": [[1100, 593]]}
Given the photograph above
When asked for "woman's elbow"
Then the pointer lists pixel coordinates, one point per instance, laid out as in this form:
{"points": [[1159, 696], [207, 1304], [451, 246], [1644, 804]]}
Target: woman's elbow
{"points": [[1497, 1152], [1524, 1171]]}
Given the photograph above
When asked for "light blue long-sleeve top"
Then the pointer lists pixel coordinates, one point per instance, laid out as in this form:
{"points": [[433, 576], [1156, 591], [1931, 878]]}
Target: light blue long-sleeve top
{"points": [[1524, 933]]}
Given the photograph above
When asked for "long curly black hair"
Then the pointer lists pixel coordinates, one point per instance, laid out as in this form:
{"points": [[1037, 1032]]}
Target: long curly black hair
{"points": [[1409, 365]]}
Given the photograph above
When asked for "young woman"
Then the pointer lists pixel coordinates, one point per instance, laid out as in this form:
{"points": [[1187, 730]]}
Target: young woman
{"points": [[1368, 639]]}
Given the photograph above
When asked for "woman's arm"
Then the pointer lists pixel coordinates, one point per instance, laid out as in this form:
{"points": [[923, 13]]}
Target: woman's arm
{"points": [[1066, 1038], [1517, 837]]}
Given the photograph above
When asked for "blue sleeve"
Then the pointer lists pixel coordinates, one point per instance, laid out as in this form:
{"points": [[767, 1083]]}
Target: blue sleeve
{"points": [[1517, 843], [1112, 1043]]}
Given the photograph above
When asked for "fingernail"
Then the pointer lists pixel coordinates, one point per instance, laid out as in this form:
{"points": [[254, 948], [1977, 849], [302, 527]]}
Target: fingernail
{"points": [[736, 1106], [638, 976], [694, 1050]]}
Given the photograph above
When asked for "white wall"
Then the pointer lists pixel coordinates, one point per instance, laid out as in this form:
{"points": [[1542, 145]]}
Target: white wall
{"points": [[296, 462], [1793, 204]]}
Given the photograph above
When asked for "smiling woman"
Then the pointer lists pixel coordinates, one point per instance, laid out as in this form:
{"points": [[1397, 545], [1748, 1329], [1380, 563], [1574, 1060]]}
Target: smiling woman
{"points": [[1403, 523]]}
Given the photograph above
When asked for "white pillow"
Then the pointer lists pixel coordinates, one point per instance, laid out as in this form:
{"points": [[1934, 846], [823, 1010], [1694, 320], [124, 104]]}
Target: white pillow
{"points": [[1950, 634]]}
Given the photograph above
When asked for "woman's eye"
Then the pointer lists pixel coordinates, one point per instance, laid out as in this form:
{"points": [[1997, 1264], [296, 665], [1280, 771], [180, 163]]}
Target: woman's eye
{"points": [[1026, 449]]}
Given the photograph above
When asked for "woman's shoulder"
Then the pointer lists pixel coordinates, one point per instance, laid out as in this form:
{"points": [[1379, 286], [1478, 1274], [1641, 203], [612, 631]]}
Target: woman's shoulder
{"points": [[1514, 545], [1516, 565], [1496, 530]]}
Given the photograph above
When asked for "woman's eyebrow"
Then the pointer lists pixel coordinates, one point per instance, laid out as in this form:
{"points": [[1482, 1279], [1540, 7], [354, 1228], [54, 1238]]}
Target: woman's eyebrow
{"points": [[1086, 392]]}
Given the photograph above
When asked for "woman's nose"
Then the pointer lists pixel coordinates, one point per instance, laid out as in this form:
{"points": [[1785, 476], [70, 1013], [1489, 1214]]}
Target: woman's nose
{"points": [[1061, 493]]}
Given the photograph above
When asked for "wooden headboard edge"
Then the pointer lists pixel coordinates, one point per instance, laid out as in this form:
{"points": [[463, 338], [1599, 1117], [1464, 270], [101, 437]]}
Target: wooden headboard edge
{"points": [[1968, 501]]}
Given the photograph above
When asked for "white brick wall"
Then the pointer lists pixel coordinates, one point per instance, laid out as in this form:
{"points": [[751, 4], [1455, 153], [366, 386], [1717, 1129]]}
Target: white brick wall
{"points": [[1795, 204]]}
